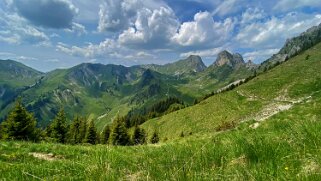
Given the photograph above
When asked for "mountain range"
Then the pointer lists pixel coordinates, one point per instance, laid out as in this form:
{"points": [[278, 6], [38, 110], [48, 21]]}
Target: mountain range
{"points": [[102, 92]]}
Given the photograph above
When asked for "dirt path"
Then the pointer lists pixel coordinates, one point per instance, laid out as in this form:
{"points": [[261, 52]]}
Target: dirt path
{"points": [[281, 103]]}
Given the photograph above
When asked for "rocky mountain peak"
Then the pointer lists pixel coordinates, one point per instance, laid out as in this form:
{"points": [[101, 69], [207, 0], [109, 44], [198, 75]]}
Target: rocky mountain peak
{"points": [[226, 58], [195, 62]]}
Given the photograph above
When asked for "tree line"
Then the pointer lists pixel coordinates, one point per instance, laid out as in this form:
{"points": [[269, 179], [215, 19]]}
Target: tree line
{"points": [[137, 117], [21, 125]]}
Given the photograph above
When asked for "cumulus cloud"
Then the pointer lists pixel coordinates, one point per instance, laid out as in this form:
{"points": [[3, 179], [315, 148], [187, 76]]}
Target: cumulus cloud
{"points": [[47, 13], [204, 31], [112, 16], [152, 29], [118, 15]]}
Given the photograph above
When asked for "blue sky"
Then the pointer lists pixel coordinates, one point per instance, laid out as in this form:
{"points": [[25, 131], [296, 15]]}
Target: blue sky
{"points": [[50, 34]]}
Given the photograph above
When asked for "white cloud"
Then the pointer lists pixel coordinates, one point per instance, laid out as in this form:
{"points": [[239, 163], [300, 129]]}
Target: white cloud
{"points": [[77, 28], [204, 32], [273, 32], [117, 15], [251, 15], [227, 7], [152, 29], [15, 30], [108, 49], [204, 53], [260, 55]]}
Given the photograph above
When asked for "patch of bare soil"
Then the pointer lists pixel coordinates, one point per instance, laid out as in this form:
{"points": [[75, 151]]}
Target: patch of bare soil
{"points": [[46, 156]]}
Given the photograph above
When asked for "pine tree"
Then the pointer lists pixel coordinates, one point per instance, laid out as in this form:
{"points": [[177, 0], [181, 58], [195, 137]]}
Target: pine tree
{"points": [[82, 129], [58, 128], [119, 135], [20, 124], [139, 136], [74, 134], [91, 135], [105, 135], [154, 139]]}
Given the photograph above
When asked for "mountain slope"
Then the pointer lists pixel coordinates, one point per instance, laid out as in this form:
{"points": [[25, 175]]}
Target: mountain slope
{"points": [[294, 46], [14, 78], [227, 68], [102, 92], [292, 83], [191, 64], [283, 145], [98, 91]]}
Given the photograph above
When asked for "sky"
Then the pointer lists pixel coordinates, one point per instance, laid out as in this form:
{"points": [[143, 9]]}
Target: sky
{"points": [[51, 34]]}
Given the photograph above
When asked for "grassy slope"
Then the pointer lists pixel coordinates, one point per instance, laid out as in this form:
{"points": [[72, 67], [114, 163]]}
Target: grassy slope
{"points": [[295, 79], [286, 146], [17, 75], [14, 77]]}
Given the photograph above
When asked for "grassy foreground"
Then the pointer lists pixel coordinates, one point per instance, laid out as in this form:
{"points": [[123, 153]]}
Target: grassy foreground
{"points": [[287, 146]]}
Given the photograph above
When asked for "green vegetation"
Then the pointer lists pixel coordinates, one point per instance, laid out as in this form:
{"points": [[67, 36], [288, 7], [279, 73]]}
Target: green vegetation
{"points": [[20, 125], [265, 128], [284, 147], [58, 128], [100, 91], [284, 85], [92, 135]]}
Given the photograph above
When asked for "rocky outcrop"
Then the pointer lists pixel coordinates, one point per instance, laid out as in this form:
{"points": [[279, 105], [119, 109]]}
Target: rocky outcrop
{"points": [[296, 45], [226, 58]]}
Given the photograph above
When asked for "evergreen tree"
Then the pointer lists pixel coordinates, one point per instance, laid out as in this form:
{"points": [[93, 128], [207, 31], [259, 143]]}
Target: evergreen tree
{"points": [[58, 128], [119, 135], [20, 124], [91, 135], [74, 134], [105, 135], [154, 139], [139, 136], [82, 129]]}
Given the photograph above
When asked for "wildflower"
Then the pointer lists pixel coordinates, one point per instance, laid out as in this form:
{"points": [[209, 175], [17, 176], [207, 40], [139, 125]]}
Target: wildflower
{"points": [[286, 168]]}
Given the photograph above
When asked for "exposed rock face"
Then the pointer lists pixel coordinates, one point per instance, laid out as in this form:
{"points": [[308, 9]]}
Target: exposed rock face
{"points": [[297, 45], [226, 58], [196, 63], [251, 65]]}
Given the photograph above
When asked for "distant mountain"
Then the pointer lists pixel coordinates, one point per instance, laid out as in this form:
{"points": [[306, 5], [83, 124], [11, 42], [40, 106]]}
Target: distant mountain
{"points": [[226, 58], [191, 64], [287, 95], [105, 91], [17, 74], [295, 46], [15, 78]]}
